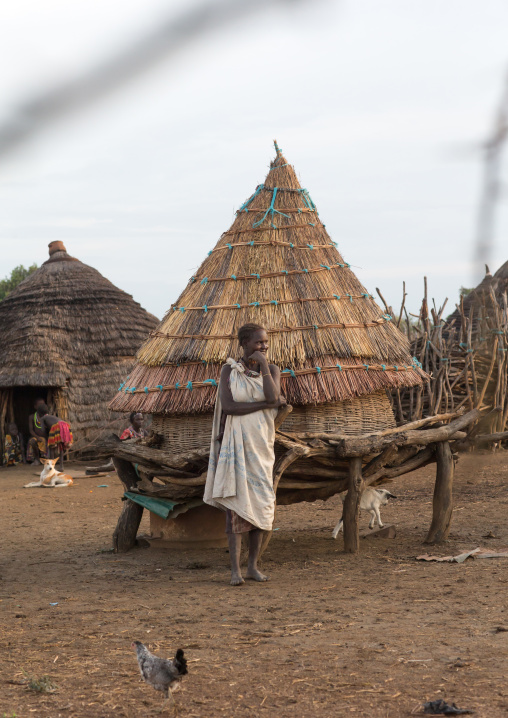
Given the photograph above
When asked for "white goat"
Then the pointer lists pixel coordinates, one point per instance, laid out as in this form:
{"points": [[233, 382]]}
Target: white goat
{"points": [[370, 501]]}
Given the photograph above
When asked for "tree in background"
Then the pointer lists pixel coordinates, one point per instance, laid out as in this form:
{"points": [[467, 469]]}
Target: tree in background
{"points": [[464, 291], [17, 275]]}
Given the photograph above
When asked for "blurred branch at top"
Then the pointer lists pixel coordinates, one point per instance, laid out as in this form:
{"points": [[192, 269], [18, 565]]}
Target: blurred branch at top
{"points": [[166, 39]]}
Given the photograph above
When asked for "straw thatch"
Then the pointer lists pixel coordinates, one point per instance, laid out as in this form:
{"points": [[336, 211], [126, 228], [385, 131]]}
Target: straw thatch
{"points": [[481, 301], [68, 330], [276, 266], [466, 357]]}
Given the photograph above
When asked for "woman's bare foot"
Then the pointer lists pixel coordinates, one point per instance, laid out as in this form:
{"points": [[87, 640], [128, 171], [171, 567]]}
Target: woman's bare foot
{"points": [[236, 579], [256, 575]]}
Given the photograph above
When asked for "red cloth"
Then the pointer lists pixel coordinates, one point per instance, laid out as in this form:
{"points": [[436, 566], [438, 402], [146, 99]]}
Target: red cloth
{"points": [[60, 433]]}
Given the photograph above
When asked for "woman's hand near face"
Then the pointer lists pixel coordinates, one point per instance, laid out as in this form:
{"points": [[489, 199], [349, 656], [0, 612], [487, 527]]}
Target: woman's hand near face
{"points": [[259, 358]]}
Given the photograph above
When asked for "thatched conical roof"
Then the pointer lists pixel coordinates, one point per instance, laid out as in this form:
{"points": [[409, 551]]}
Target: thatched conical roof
{"points": [[66, 314], [481, 301], [276, 266]]}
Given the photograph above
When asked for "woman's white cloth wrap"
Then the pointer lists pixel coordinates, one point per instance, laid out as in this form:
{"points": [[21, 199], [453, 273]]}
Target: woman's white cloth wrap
{"points": [[240, 470]]}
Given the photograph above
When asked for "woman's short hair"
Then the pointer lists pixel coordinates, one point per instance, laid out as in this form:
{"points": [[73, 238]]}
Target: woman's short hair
{"points": [[132, 415], [246, 331]]}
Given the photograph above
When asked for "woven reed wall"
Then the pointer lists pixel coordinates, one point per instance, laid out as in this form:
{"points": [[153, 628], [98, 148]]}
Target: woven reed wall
{"points": [[361, 415]]}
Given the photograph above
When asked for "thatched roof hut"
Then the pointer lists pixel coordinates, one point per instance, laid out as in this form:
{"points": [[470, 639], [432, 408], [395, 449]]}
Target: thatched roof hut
{"points": [[67, 334], [276, 265], [482, 302]]}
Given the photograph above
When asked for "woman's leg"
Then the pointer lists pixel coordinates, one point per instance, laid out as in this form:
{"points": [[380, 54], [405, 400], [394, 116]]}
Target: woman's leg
{"points": [[255, 540], [235, 549]]}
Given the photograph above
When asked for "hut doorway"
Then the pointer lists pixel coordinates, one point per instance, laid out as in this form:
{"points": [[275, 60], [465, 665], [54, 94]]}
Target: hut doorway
{"points": [[23, 398]]}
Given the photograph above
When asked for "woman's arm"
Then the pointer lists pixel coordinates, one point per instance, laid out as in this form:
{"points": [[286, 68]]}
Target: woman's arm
{"points": [[240, 408], [271, 377]]}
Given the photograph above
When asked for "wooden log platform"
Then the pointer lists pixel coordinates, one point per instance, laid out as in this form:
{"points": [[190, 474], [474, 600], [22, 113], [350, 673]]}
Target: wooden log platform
{"points": [[308, 467]]}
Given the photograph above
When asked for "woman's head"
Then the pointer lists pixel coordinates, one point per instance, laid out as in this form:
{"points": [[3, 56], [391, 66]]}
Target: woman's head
{"points": [[136, 419], [12, 429], [253, 337], [42, 409]]}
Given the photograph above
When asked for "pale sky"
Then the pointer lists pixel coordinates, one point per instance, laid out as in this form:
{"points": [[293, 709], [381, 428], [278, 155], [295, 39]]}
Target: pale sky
{"points": [[379, 104]]}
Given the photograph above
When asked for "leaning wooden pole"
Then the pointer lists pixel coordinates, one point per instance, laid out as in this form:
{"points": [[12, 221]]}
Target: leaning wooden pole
{"points": [[352, 506], [124, 536], [442, 504]]}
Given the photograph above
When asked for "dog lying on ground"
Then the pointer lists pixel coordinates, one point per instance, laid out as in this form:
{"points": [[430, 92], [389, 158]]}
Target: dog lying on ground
{"points": [[370, 501], [50, 477]]}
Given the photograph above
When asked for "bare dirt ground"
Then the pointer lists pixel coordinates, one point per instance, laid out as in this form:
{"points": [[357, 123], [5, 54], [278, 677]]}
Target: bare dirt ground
{"points": [[329, 635]]}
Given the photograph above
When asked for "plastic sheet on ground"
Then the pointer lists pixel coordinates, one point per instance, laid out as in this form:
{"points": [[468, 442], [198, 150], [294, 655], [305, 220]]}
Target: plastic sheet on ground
{"points": [[478, 552]]}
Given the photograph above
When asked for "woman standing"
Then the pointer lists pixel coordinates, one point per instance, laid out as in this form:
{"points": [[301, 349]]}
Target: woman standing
{"points": [[242, 455]]}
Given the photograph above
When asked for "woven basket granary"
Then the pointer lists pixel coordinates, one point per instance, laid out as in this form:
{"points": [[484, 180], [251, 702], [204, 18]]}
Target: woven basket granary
{"points": [[276, 266]]}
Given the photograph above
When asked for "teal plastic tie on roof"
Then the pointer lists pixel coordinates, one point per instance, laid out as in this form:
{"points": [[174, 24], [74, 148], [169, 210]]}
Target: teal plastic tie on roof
{"points": [[339, 367], [291, 245], [254, 304], [254, 274], [325, 266], [310, 246], [396, 367], [246, 204], [350, 297], [189, 385], [388, 317], [251, 243], [204, 281], [318, 369], [366, 367], [271, 210], [182, 309], [274, 301], [210, 252], [233, 276], [132, 389], [307, 199], [205, 308], [238, 306], [305, 270], [383, 367], [337, 296], [210, 381], [146, 390], [229, 245], [284, 271], [312, 224], [122, 386], [159, 387], [177, 385]]}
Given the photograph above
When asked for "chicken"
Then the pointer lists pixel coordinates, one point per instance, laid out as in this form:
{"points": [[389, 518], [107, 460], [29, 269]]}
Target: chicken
{"points": [[162, 674]]}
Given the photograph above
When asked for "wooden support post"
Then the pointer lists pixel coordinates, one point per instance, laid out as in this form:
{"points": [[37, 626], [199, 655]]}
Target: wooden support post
{"points": [[442, 505], [124, 537], [352, 506]]}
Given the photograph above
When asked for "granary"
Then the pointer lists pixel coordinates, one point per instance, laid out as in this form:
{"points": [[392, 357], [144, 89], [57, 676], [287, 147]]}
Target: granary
{"points": [[67, 334], [466, 357], [481, 303], [338, 351]]}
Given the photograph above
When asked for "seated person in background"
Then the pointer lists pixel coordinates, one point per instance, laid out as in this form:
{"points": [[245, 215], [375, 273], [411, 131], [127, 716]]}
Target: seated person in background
{"points": [[14, 450], [37, 446], [135, 430], [58, 432]]}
